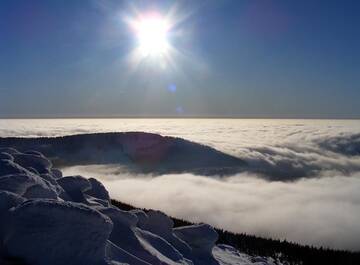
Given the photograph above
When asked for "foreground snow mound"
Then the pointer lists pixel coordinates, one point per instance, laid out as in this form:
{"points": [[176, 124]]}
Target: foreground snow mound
{"points": [[98, 190], [55, 232], [46, 218], [9, 200], [201, 239]]}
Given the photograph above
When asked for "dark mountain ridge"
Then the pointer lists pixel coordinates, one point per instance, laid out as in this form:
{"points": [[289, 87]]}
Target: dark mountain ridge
{"points": [[140, 152]]}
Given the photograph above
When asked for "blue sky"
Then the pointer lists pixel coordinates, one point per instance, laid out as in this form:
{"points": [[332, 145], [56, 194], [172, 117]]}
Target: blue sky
{"points": [[254, 58]]}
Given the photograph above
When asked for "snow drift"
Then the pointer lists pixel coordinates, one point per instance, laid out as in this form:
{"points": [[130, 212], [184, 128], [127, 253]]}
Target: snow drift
{"points": [[46, 218]]}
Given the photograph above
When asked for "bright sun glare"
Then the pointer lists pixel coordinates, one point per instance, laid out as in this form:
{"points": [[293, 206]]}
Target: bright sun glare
{"points": [[152, 36]]}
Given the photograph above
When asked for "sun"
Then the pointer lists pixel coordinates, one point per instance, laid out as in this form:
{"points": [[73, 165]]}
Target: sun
{"points": [[156, 36], [152, 35]]}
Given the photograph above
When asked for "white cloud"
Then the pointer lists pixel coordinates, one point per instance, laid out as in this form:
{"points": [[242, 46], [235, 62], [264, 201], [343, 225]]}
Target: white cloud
{"points": [[320, 211]]}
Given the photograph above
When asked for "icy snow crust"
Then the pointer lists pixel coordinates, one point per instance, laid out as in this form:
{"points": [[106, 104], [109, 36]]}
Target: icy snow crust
{"points": [[46, 218]]}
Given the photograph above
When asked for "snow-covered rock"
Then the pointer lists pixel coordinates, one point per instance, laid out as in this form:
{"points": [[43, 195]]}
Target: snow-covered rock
{"points": [[8, 167], [124, 237], [27, 185], [9, 150], [160, 224], [75, 186], [46, 218], [201, 239], [53, 232], [33, 160], [56, 173], [6, 156], [97, 190], [160, 248], [9, 200]]}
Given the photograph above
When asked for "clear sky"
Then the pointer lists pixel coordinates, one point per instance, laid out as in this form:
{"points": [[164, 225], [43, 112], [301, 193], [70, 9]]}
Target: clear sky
{"points": [[239, 58]]}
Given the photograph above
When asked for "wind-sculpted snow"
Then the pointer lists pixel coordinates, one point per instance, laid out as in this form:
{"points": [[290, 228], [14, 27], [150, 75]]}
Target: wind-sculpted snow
{"points": [[56, 232], [70, 220], [139, 152]]}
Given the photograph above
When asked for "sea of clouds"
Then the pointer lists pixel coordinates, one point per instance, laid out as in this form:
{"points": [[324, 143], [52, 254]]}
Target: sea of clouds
{"points": [[302, 182]]}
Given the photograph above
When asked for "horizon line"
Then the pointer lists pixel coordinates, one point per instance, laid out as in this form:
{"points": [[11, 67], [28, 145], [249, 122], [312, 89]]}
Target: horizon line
{"points": [[177, 117]]}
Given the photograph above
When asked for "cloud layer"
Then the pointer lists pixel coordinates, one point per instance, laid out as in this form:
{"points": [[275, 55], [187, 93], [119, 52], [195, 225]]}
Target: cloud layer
{"points": [[321, 211]]}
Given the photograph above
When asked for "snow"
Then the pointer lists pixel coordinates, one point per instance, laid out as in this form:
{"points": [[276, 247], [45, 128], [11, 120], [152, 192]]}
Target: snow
{"points": [[227, 255], [9, 200], [98, 190], [75, 186], [9, 167], [6, 156], [27, 185], [33, 160], [55, 232], [201, 239], [160, 248], [48, 218]]}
